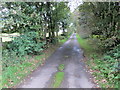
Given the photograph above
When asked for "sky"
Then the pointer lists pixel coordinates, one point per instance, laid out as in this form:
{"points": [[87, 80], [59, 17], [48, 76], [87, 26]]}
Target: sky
{"points": [[73, 4]]}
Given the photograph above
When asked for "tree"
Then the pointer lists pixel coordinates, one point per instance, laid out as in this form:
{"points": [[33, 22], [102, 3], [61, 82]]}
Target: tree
{"points": [[102, 18], [41, 17]]}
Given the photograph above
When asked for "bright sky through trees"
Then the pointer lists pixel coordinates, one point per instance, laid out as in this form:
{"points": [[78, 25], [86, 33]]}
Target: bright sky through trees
{"points": [[73, 4]]}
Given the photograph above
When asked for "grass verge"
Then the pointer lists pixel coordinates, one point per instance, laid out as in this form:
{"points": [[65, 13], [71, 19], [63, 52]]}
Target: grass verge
{"points": [[102, 69], [15, 74], [85, 45], [63, 39]]}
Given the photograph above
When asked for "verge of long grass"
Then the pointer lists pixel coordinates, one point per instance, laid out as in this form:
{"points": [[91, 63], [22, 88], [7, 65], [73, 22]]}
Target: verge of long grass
{"points": [[85, 45]]}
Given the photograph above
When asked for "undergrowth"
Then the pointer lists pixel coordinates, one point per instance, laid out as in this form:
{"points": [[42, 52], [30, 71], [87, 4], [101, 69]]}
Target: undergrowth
{"points": [[86, 46], [16, 73], [105, 67]]}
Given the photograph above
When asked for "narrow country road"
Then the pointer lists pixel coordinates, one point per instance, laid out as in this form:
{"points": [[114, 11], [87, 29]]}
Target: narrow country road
{"points": [[71, 56]]}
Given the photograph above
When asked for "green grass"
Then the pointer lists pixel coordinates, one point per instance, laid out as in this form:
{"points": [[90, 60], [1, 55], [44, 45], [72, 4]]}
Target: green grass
{"points": [[101, 69], [59, 76], [14, 74], [63, 39], [86, 46], [61, 67]]}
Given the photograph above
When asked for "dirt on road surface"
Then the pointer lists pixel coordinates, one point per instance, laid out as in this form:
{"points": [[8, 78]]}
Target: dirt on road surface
{"points": [[75, 75]]}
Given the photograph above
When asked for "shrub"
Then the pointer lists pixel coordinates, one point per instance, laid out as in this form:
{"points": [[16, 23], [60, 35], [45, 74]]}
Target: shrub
{"points": [[15, 51], [29, 43], [115, 52], [10, 59], [109, 66]]}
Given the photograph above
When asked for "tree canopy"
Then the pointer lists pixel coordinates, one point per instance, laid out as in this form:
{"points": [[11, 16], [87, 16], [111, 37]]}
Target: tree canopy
{"points": [[103, 20], [42, 17]]}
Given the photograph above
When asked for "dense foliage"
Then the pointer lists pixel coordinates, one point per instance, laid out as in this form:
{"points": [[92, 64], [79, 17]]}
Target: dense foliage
{"points": [[29, 43], [103, 21], [41, 17], [107, 68], [37, 22]]}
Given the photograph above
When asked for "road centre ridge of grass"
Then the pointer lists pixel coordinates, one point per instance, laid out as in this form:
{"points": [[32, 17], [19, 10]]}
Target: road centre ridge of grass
{"points": [[59, 76], [61, 67]]}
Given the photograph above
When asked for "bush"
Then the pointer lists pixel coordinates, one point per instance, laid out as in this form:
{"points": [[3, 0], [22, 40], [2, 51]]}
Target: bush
{"points": [[10, 59], [109, 66], [29, 43], [15, 51], [112, 59], [115, 52]]}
